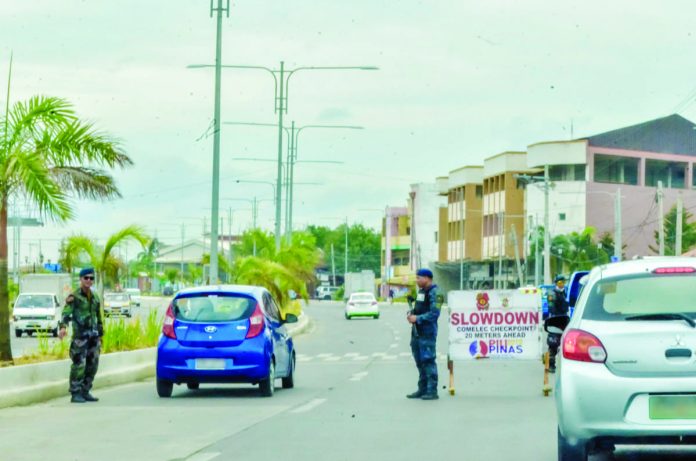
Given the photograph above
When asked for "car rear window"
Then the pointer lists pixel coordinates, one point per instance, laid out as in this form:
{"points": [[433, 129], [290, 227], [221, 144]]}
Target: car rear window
{"points": [[621, 297], [362, 298], [34, 301], [213, 307]]}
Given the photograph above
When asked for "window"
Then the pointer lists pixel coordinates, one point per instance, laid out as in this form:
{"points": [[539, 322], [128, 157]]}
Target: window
{"points": [[567, 172], [479, 191], [672, 174], [616, 170], [400, 258], [213, 307], [436, 237], [561, 216], [271, 307]]}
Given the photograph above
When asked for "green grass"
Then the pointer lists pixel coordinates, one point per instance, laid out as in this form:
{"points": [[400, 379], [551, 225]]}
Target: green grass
{"points": [[119, 335]]}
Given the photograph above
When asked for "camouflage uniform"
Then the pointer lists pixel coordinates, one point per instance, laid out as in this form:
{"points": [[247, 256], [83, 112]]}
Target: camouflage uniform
{"points": [[558, 307], [424, 338], [87, 327]]}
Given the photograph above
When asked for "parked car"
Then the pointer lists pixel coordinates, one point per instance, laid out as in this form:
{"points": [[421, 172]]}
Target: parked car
{"points": [[326, 292], [168, 290], [135, 295], [35, 312], [225, 334], [362, 305], [117, 304], [627, 368]]}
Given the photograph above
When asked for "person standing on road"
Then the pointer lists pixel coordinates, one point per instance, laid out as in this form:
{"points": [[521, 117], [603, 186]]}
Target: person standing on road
{"points": [[82, 308], [558, 307], [423, 318]]}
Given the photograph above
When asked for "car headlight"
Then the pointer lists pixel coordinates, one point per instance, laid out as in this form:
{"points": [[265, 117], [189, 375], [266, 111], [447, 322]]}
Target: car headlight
{"points": [[107, 304]]}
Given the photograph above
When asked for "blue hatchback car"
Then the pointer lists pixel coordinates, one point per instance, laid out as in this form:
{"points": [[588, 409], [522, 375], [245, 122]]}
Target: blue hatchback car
{"points": [[225, 334]]}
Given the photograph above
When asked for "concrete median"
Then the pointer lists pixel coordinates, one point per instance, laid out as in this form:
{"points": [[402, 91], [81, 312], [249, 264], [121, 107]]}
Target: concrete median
{"points": [[38, 382]]}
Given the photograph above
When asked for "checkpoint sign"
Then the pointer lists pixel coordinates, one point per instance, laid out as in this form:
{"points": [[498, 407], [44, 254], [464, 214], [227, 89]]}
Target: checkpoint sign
{"points": [[495, 324]]}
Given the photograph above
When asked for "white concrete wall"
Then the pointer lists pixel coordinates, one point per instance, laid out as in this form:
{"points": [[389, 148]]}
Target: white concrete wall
{"points": [[557, 153], [425, 223], [567, 197], [501, 163], [466, 175]]}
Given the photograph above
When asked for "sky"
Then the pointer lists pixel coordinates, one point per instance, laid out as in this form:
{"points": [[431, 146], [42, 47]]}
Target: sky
{"points": [[458, 81]]}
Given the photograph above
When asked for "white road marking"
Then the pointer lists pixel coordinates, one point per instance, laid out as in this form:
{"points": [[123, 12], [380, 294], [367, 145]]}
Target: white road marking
{"points": [[358, 376], [319, 356], [303, 358], [203, 456], [393, 346], [361, 357], [308, 406], [352, 354], [405, 354], [332, 359], [390, 357]]}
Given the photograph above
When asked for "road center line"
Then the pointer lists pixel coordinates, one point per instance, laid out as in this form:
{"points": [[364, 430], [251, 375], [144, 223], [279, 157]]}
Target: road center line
{"points": [[308, 406], [358, 376]]}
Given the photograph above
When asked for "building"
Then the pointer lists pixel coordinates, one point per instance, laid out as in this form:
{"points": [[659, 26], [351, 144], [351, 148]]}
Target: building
{"points": [[396, 250], [587, 174], [423, 210]]}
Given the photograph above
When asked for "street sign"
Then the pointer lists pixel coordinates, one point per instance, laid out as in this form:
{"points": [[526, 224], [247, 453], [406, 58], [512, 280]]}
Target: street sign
{"points": [[13, 221]]}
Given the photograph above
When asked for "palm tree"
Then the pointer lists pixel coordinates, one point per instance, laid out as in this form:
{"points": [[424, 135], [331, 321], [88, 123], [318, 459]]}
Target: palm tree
{"points": [[48, 155], [106, 265], [277, 279]]}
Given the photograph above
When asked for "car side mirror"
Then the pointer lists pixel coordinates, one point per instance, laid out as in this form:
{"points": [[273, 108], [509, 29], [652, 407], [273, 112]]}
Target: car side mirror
{"points": [[290, 318]]}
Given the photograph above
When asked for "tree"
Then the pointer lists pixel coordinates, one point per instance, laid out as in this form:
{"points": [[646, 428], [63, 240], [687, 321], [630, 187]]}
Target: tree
{"points": [[48, 155], [102, 259], [250, 270], [574, 251], [364, 246], [670, 229]]}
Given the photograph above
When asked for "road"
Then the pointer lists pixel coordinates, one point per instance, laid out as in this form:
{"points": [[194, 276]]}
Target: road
{"points": [[349, 404], [28, 344]]}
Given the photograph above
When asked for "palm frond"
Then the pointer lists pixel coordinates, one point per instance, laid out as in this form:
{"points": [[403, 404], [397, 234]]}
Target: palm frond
{"points": [[36, 115], [77, 245], [80, 143], [86, 182], [36, 182], [131, 232]]}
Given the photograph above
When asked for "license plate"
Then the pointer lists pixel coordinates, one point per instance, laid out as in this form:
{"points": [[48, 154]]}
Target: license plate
{"points": [[210, 364], [673, 407]]}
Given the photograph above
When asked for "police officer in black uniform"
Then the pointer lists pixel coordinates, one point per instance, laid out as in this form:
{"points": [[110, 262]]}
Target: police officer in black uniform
{"points": [[558, 307], [423, 318]]}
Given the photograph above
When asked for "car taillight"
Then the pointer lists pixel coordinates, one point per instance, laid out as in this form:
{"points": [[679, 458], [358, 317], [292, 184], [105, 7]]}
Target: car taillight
{"points": [[351, 304], [256, 323], [674, 270], [168, 325], [583, 347], [374, 303]]}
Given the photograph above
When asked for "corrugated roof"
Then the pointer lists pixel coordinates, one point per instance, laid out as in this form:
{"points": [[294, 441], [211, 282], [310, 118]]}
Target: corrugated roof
{"points": [[671, 135]]}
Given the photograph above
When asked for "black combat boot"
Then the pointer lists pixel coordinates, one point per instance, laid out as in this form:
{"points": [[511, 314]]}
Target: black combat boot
{"points": [[416, 395], [89, 397], [430, 396], [77, 398]]}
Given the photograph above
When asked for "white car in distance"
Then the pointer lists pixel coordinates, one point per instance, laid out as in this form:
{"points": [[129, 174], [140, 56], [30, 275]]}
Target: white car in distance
{"points": [[362, 305]]}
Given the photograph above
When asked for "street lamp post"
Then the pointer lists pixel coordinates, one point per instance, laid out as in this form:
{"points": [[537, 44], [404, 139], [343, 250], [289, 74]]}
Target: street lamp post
{"points": [[281, 79]]}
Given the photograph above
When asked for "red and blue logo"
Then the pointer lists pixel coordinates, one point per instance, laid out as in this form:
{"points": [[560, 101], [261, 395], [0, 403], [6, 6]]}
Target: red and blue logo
{"points": [[478, 349]]}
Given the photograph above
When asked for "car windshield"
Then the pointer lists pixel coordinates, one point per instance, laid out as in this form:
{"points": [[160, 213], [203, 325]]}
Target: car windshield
{"points": [[133, 292], [622, 297], [40, 301], [365, 297], [116, 297], [213, 307]]}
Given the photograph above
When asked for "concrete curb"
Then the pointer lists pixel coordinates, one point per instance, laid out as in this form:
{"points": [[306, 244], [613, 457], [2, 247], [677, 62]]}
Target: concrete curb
{"points": [[303, 325], [38, 382]]}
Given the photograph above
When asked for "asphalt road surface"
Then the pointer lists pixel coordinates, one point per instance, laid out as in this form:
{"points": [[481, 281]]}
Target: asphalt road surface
{"points": [[348, 404]]}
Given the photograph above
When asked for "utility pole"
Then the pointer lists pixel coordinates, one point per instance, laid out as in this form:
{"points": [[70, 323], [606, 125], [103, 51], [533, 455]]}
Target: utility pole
{"points": [[216, 141], [182, 250], [333, 265], [680, 224], [618, 240], [461, 239], [279, 179], [661, 217], [345, 271], [537, 255], [229, 276], [517, 254], [547, 233], [254, 212], [289, 174]]}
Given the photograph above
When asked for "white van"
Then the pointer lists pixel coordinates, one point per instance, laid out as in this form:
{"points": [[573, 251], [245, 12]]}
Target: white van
{"points": [[34, 312]]}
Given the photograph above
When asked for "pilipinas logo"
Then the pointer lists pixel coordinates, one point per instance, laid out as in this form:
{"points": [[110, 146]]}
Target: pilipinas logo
{"points": [[478, 349], [482, 301]]}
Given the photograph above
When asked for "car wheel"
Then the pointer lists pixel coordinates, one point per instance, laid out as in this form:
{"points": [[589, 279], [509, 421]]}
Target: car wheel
{"points": [[30, 333], [347, 317], [568, 452], [18, 333], [289, 380], [164, 387], [376, 317], [54, 332], [267, 385], [193, 386]]}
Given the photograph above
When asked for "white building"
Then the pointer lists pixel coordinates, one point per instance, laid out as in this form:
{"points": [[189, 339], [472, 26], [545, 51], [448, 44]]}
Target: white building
{"points": [[423, 208]]}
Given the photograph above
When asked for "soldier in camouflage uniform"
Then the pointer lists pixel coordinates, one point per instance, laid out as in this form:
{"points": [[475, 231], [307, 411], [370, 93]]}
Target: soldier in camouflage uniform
{"points": [[82, 308], [423, 318]]}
